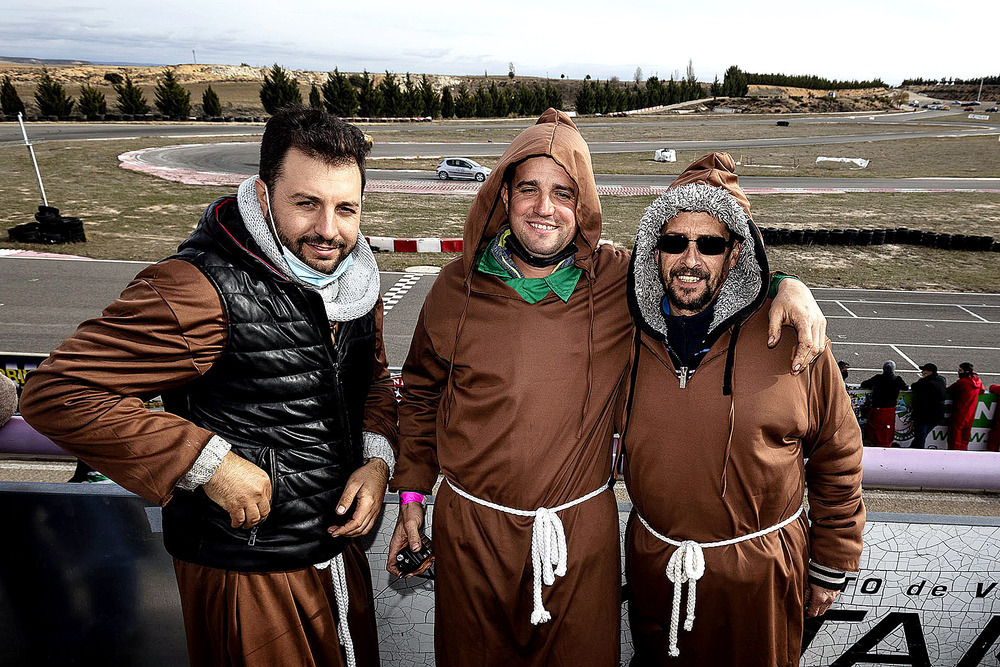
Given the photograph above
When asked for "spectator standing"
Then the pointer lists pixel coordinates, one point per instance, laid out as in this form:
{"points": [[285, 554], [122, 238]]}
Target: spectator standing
{"points": [[927, 407], [885, 393], [964, 397]]}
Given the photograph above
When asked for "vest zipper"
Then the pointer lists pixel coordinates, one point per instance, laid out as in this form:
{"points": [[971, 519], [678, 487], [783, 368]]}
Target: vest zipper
{"points": [[265, 453], [683, 376]]}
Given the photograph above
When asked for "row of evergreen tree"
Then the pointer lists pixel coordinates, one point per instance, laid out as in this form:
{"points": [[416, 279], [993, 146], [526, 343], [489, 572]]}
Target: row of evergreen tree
{"points": [[949, 81], [613, 96], [810, 81], [51, 98], [394, 97]]}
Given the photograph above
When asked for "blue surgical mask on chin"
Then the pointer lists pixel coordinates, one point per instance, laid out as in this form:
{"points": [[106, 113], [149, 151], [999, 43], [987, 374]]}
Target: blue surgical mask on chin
{"points": [[307, 274], [303, 271]]}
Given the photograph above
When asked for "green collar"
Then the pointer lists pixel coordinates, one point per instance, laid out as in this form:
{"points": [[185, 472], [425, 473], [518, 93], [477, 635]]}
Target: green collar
{"points": [[562, 281]]}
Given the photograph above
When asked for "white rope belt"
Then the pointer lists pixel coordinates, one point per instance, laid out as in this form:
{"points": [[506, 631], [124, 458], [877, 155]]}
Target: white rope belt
{"points": [[548, 543], [687, 565], [339, 577]]}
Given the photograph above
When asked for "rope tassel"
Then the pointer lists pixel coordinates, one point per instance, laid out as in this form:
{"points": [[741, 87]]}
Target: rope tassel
{"points": [[548, 543], [548, 558], [686, 566], [339, 577]]}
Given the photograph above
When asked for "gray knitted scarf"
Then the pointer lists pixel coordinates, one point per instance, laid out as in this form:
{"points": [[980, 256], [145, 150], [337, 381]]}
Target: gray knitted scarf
{"points": [[348, 297]]}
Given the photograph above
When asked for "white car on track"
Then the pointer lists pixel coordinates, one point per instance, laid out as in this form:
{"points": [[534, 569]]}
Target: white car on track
{"points": [[461, 167]]}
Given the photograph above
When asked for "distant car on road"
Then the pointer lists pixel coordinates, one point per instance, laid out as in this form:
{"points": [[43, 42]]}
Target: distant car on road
{"points": [[974, 103], [970, 108], [992, 110], [461, 167]]}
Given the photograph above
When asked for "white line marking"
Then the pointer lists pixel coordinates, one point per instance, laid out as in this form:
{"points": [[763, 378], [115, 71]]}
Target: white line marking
{"points": [[900, 353], [102, 139], [907, 303], [395, 294], [972, 313], [933, 347], [908, 319], [898, 291], [845, 308]]}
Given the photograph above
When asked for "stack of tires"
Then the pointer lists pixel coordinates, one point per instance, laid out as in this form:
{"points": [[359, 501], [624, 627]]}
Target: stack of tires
{"points": [[774, 236], [49, 228]]}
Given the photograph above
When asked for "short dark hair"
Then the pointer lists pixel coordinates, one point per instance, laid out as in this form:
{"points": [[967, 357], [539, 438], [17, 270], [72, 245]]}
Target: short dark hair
{"points": [[315, 133], [966, 366]]}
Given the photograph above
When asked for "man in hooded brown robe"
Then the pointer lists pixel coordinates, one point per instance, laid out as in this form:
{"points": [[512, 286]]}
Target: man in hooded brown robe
{"points": [[714, 448]]}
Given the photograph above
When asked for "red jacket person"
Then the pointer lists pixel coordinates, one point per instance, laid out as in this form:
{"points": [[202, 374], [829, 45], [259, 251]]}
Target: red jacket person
{"points": [[964, 397]]}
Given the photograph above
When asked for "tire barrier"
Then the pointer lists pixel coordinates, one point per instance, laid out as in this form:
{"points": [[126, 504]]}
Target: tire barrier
{"points": [[774, 236], [49, 228]]}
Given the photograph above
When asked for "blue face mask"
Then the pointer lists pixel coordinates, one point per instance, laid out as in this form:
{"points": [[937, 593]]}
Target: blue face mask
{"points": [[303, 271], [307, 274]]}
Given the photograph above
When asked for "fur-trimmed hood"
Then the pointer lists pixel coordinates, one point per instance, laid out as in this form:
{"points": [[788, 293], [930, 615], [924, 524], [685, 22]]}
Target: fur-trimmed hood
{"points": [[709, 185]]}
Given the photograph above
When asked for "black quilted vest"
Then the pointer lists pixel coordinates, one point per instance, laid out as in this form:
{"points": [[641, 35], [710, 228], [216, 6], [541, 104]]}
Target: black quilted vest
{"points": [[283, 394]]}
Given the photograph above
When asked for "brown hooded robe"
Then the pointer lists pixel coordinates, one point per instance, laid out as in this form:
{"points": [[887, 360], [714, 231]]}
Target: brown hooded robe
{"points": [[709, 465], [513, 403]]}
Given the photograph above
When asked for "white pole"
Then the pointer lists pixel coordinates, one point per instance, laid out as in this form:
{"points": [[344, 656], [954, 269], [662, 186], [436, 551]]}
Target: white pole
{"points": [[31, 150], [979, 97]]}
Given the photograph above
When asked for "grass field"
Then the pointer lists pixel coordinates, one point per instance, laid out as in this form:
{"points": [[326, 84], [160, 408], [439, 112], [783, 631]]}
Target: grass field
{"points": [[135, 216]]}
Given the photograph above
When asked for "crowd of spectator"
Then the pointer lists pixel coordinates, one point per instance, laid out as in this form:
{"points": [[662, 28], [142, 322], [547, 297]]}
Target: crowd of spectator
{"points": [[927, 405]]}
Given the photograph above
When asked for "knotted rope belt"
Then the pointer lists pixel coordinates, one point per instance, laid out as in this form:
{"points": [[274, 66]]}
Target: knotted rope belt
{"points": [[548, 543], [339, 576], [687, 565]]}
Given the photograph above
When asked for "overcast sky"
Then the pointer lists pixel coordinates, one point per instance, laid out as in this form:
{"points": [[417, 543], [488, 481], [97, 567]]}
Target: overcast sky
{"points": [[848, 39]]}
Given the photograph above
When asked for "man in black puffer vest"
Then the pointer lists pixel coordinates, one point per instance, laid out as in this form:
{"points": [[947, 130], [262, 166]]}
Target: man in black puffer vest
{"points": [[264, 336]]}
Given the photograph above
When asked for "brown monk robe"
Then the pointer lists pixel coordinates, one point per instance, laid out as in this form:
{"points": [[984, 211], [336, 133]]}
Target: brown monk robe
{"points": [[715, 447], [512, 402], [168, 328]]}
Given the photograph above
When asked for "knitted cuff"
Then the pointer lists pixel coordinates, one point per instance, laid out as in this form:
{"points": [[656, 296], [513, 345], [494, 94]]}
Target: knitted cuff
{"points": [[826, 577], [205, 465], [377, 447]]}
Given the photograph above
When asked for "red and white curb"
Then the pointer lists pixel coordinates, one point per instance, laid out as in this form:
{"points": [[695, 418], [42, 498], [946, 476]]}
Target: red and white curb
{"points": [[387, 244]]}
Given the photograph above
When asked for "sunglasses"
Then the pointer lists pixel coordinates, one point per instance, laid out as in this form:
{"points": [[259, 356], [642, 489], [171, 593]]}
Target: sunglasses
{"points": [[675, 244]]}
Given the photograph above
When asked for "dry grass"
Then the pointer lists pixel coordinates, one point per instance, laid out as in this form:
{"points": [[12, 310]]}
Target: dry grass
{"points": [[135, 216]]}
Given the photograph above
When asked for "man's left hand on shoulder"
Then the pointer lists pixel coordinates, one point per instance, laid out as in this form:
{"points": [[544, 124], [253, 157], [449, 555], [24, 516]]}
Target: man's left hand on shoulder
{"points": [[818, 600], [366, 487], [795, 306]]}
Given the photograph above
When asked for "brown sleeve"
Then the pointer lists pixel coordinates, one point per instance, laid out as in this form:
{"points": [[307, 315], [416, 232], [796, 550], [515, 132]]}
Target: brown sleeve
{"points": [[380, 408], [424, 377], [167, 328], [833, 472]]}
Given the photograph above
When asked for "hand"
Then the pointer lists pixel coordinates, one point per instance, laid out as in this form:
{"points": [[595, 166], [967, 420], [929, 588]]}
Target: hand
{"points": [[407, 533], [794, 305], [818, 599], [242, 489], [367, 487]]}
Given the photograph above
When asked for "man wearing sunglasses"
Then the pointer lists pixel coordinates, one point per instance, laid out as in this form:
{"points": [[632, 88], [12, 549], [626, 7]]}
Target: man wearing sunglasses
{"points": [[717, 432]]}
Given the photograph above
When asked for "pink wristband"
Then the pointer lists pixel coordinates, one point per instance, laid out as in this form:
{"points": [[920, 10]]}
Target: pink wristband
{"points": [[410, 497]]}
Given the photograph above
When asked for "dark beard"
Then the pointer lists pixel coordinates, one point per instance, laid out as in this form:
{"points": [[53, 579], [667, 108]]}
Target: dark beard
{"points": [[295, 246], [679, 299]]}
